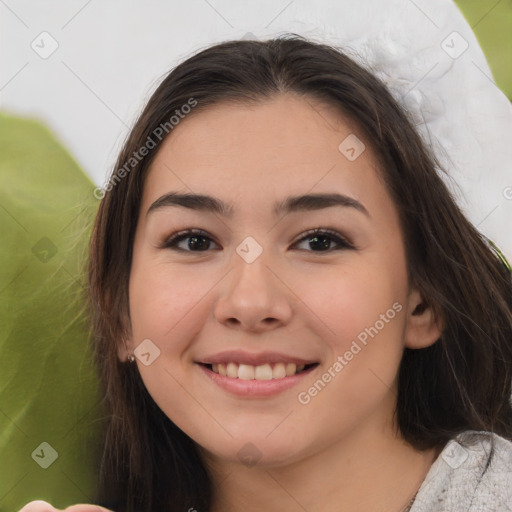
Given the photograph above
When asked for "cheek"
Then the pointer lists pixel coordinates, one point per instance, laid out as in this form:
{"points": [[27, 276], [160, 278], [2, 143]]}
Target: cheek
{"points": [[162, 300], [360, 312], [170, 308], [362, 305], [354, 299]]}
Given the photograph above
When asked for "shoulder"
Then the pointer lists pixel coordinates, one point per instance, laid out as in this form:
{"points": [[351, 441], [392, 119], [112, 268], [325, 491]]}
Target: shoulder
{"points": [[472, 473]]}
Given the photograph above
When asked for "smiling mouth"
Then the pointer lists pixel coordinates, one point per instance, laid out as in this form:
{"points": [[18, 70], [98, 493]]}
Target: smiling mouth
{"points": [[261, 372]]}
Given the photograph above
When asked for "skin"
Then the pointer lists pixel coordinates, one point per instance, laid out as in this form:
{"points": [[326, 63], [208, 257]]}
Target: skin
{"points": [[342, 446], [44, 506]]}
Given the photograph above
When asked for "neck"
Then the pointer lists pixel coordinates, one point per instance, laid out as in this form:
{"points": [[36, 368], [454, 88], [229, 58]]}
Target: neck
{"points": [[364, 471]]}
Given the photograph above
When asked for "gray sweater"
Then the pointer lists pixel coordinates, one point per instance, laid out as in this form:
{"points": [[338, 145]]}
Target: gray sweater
{"points": [[472, 474]]}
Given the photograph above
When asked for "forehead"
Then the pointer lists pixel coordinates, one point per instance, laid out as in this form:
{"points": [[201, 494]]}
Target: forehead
{"points": [[297, 125], [286, 144]]}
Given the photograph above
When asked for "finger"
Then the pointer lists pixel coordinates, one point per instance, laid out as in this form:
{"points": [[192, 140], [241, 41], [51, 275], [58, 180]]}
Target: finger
{"points": [[82, 507], [38, 506]]}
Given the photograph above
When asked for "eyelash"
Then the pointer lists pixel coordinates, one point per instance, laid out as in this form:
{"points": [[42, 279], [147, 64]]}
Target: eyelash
{"points": [[343, 243]]}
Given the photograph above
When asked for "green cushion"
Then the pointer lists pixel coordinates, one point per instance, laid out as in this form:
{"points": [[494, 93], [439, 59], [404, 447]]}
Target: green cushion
{"points": [[491, 21], [49, 391]]}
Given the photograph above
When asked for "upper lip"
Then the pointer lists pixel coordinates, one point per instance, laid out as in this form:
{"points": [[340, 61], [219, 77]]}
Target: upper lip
{"points": [[253, 359]]}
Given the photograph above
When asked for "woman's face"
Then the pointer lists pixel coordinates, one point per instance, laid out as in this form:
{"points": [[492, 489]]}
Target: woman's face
{"points": [[255, 296]]}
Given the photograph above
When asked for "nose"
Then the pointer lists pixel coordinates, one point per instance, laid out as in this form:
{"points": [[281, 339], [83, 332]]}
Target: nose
{"points": [[254, 298]]}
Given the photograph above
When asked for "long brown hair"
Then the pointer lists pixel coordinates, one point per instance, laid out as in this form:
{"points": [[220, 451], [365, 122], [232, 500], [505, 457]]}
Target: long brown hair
{"points": [[461, 382]]}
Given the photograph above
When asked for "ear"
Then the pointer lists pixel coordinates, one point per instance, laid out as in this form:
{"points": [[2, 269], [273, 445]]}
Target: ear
{"points": [[423, 326], [125, 345]]}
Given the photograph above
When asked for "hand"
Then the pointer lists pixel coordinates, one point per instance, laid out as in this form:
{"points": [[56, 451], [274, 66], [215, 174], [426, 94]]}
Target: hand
{"points": [[43, 506]]}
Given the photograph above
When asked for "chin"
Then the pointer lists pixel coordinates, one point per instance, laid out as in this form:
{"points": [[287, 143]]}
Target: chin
{"points": [[257, 450]]}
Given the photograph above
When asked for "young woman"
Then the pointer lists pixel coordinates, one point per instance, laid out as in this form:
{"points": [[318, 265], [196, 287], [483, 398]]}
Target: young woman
{"points": [[290, 311]]}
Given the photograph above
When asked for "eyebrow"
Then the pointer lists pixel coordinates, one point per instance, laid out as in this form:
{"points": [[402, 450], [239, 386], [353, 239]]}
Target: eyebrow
{"points": [[291, 204]]}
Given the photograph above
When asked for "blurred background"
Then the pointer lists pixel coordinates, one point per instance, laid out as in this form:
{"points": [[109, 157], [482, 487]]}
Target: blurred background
{"points": [[491, 20], [85, 67]]}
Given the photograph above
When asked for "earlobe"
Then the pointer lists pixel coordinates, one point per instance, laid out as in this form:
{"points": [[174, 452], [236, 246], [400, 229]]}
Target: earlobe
{"points": [[125, 344], [424, 326], [124, 349]]}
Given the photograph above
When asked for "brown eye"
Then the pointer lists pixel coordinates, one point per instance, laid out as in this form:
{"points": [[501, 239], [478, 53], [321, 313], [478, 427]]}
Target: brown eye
{"points": [[320, 240], [197, 241]]}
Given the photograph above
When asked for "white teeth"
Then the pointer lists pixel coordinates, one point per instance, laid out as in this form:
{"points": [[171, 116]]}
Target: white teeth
{"points": [[245, 371], [279, 371], [232, 370], [291, 368], [261, 372]]}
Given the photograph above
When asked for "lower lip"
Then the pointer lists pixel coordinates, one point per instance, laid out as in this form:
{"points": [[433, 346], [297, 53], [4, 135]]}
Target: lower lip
{"points": [[255, 388]]}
